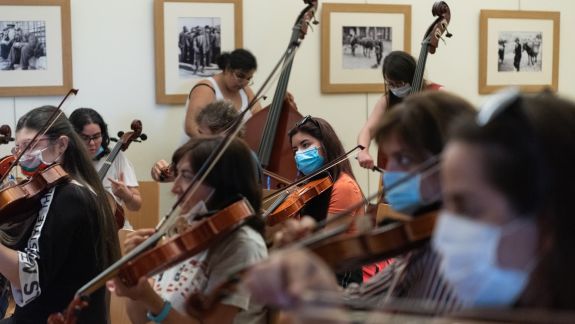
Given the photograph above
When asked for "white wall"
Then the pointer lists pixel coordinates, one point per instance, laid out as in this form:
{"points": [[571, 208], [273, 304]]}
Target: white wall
{"points": [[113, 64]]}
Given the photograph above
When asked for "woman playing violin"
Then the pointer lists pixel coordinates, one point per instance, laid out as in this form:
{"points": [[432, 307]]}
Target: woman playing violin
{"points": [[409, 135], [315, 143], [398, 70], [508, 205], [120, 181], [232, 84], [73, 236], [164, 299]]}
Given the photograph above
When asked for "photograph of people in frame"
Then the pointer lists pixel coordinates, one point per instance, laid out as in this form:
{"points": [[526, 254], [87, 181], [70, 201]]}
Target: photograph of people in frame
{"points": [[199, 43], [22, 45], [519, 51]]}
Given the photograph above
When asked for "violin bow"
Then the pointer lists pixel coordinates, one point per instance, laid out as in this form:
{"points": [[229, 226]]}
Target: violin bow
{"points": [[42, 132]]}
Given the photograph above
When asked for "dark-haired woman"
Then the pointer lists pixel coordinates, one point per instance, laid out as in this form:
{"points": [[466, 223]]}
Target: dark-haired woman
{"points": [[71, 238], [508, 192], [398, 70], [164, 300], [238, 68], [120, 181]]}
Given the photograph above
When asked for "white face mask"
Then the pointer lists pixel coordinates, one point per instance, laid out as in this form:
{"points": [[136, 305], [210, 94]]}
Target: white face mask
{"points": [[402, 91], [468, 251]]}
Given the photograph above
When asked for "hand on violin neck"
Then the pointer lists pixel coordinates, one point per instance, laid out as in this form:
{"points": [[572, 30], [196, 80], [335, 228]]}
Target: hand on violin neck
{"points": [[136, 237], [286, 276], [293, 230]]}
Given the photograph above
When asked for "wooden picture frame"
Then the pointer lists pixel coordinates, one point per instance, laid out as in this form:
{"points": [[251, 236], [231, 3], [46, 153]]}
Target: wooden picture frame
{"points": [[351, 37], [180, 61], [518, 48], [35, 47]]}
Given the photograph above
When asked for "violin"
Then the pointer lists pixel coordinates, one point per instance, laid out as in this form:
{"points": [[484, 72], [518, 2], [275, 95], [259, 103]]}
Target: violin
{"points": [[345, 253], [192, 241], [297, 200], [123, 143], [5, 138], [17, 199]]}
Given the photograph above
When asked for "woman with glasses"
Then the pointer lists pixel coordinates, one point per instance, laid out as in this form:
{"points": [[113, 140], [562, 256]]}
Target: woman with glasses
{"points": [[70, 238], [410, 135], [398, 70], [232, 84], [120, 181]]}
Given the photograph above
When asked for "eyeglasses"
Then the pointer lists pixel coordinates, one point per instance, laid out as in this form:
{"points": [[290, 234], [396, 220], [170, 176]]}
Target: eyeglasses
{"points": [[241, 77], [88, 138], [306, 119], [18, 148]]}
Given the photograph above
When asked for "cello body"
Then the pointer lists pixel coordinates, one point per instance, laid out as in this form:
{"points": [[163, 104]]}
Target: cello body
{"points": [[281, 161]]}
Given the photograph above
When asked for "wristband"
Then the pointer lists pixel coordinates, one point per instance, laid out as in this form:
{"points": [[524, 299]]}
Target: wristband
{"points": [[162, 315]]}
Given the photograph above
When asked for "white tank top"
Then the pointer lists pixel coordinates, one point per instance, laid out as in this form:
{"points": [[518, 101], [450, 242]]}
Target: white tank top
{"points": [[220, 96]]}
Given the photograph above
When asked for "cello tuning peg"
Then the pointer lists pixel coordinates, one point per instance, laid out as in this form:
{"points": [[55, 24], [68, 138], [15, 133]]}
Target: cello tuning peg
{"points": [[447, 33], [113, 139], [143, 137], [120, 134]]}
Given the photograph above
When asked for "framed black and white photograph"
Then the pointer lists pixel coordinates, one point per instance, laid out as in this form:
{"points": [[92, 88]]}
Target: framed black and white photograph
{"points": [[518, 48], [35, 47], [355, 39], [189, 36]]}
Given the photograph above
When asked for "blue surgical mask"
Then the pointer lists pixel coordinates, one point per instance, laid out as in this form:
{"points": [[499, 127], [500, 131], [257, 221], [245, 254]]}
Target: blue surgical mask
{"points": [[407, 196], [99, 151], [402, 91], [468, 251], [309, 160]]}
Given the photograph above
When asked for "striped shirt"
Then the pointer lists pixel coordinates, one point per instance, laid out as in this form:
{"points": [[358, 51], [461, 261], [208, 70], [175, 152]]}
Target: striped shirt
{"points": [[413, 276]]}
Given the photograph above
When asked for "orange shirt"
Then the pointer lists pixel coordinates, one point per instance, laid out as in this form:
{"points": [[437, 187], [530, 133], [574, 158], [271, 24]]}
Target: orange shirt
{"points": [[345, 193]]}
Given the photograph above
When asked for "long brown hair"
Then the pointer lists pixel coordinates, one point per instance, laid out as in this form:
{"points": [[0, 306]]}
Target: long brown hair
{"points": [[78, 164]]}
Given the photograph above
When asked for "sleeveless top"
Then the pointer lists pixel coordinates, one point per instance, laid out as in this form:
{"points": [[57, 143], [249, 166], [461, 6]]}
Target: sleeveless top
{"points": [[219, 96]]}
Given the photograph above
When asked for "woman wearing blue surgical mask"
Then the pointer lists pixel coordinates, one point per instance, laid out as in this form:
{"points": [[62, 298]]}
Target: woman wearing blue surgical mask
{"points": [[120, 181], [315, 143], [398, 70], [506, 234], [410, 134]]}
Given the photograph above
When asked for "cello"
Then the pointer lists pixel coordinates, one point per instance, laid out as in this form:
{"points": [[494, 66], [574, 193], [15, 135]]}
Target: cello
{"points": [[123, 143], [266, 130], [429, 45]]}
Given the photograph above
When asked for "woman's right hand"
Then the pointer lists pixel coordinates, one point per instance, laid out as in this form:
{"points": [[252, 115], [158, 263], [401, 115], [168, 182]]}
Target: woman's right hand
{"points": [[161, 172], [365, 160], [285, 278], [294, 230], [136, 237]]}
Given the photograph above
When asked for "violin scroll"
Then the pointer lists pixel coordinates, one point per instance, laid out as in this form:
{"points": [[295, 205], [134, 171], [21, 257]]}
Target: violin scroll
{"points": [[135, 135], [440, 10], [5, 134]]}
